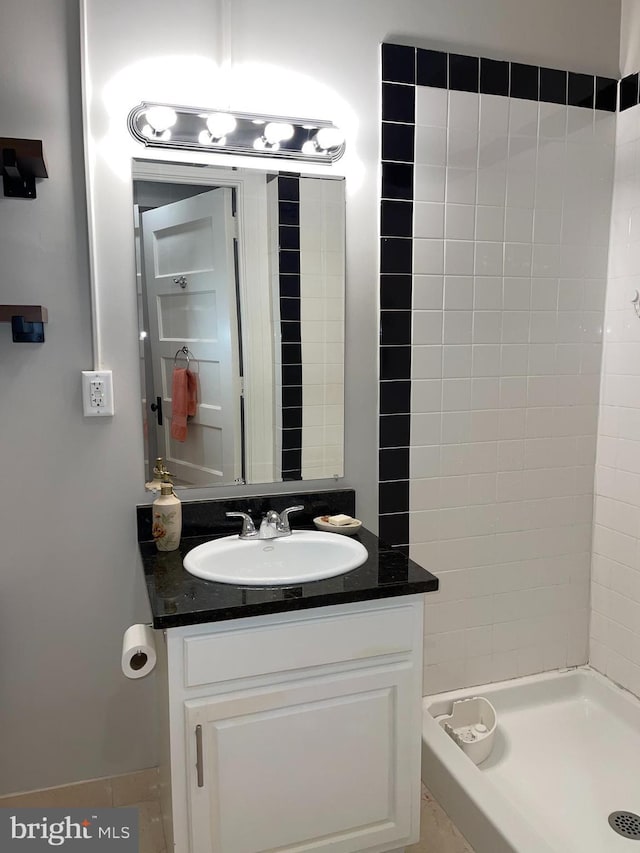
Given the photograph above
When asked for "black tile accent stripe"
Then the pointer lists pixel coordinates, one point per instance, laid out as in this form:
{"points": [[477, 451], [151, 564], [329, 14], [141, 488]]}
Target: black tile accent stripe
{"points": [[398, 63], [290, 329], [629, 96], [494, 77], [524, 81], [398, 142], [432, 68], [553, 86], [401, 68], [404, 67], [581, 89], [464, 73], [606, 94]]}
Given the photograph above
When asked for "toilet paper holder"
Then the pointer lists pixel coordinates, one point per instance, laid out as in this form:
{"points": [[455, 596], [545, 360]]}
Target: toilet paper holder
{"points": [[138, 651]]}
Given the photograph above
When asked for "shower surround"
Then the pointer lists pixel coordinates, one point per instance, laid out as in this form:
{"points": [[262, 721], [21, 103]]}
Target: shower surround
{"points": [[495, 212]]}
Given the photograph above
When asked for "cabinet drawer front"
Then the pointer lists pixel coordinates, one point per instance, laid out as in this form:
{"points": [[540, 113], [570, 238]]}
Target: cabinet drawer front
{"points": [[247, 652]]}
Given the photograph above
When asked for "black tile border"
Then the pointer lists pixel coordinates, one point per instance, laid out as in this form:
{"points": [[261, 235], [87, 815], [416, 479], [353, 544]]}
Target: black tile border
{"points": [[400, 71], [629, 94], [404, 68], [290, 329]]}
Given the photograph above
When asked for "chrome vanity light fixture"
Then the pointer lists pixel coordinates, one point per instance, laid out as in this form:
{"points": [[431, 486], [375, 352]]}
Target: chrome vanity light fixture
{"points": [[195, 129]]}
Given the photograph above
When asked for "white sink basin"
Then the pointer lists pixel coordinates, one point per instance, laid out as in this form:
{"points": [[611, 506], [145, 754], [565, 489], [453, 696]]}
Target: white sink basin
{"points": [[303, 556]]}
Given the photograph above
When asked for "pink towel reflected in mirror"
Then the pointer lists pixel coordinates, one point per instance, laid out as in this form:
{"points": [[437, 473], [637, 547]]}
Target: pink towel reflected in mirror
{"points": [[184, 401]]}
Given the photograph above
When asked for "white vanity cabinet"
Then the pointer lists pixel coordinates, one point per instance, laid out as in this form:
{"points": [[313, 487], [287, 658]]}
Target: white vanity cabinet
{"points": [[296, 731]]}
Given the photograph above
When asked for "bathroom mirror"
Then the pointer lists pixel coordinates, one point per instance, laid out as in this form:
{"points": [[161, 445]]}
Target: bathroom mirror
{"points": [[240, 281]]}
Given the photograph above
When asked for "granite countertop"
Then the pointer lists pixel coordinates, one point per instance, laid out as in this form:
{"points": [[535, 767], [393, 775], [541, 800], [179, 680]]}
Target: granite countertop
{"points": [[178, 598]]}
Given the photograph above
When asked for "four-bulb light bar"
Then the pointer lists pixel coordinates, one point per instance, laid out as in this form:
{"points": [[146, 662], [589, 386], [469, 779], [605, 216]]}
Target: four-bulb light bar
{"points": [[194, 129]]}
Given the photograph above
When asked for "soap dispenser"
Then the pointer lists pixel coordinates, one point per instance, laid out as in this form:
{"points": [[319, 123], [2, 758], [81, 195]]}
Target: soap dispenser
{"points": [[159, 471], [167, 517]]}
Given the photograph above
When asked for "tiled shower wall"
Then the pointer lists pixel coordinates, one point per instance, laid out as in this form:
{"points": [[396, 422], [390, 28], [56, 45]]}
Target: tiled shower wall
{"points": [[615, 595], [494, 240]]}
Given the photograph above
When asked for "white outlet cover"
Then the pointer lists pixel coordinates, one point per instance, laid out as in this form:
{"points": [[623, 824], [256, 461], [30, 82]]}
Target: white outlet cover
{"points": [[97, 393]]}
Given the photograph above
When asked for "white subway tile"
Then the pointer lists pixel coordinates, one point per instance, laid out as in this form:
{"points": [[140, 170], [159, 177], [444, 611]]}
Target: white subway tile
{"points": [[492, 186], [464, 111], [462, 149], [428, 219], [428, 257], [426, 362], [517, 293], [428, 292], [489, 258], [429, 183], [518, 225], [552, 121], [456, 361], [457, 328], [427, 327], [487, 327], [458, 293], [458, 257], [461, 185], [425, 428], [430, 145], [547, 225], [517, 259], [431, 106], [544, 291], [424, 494]]}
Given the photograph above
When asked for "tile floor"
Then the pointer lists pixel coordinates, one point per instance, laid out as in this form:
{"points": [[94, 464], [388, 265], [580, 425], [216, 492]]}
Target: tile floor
{"points": [[140, 790], [437, 833]]}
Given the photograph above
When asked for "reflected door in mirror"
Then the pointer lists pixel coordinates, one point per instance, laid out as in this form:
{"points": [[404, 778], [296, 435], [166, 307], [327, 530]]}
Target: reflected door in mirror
{"points": [[190, 276]]}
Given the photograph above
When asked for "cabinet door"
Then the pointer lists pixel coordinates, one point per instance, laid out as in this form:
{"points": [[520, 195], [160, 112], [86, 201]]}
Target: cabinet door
{"points": [[320, 764]]}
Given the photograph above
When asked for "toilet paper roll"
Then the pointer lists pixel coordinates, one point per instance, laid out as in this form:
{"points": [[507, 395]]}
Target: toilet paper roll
{"points": [[138, 651]]}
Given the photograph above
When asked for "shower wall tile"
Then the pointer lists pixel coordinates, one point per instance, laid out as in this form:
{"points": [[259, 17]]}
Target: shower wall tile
{"points": [[511, 208], [615, 570]]}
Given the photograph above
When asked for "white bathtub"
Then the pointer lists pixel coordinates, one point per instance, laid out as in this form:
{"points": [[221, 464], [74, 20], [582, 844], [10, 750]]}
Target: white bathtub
{"points": [[566, 755]]}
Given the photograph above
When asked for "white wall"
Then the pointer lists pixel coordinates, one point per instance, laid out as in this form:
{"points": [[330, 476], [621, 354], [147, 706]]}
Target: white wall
{"points": [[629, 37], [69, 486], [70, 581]]}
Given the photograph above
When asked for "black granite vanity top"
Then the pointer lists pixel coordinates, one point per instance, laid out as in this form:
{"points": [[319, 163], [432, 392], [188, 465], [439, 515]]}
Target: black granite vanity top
{"points": [[178, 598]]}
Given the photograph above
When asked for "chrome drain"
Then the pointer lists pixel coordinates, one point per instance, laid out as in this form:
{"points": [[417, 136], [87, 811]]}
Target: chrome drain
{"points": [[626, 824]]}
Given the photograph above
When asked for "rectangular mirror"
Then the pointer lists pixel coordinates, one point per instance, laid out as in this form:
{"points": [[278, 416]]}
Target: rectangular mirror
{"points": [[240, 280]]}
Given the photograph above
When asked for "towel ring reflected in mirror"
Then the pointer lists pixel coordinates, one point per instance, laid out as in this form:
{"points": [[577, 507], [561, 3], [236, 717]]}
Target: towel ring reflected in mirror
{"points": [[182, 354]]}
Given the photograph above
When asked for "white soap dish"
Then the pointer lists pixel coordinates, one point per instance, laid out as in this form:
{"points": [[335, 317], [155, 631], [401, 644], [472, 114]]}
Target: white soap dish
{"points": [[472, 725], [348, 529]]}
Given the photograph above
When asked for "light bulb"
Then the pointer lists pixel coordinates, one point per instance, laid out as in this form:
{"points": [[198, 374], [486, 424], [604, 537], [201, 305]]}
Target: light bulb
{"points": [[205, 138], [161, 118], [259, 143], [329, 137], [276, 131], [151, 133], [220, 124], [309, 147]]}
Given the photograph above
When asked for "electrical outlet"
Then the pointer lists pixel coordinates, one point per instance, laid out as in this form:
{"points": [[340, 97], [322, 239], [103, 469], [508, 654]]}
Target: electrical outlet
{"points": [[97, 393]]}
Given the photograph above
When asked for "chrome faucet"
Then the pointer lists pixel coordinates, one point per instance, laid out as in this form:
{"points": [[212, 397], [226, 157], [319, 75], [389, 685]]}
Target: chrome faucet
{"points": [[273, 525]]}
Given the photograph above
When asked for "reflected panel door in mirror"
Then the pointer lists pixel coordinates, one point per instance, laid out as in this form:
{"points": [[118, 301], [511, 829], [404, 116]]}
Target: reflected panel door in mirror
{"points": [[190, 282]]}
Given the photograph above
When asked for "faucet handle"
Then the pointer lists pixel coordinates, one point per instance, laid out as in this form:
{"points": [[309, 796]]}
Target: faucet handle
{"points": [[284, 517], [248, 527]]}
